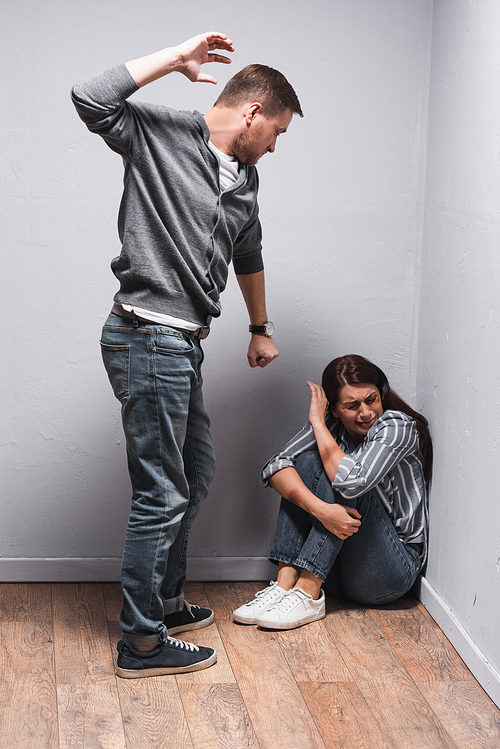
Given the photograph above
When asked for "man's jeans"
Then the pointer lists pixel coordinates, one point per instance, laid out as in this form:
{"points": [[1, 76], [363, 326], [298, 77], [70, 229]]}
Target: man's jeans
{"points": [[372, 566], [155, 372]]}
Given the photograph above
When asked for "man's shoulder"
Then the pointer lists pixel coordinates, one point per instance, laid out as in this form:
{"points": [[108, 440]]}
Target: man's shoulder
{"points": [[161, 111], [169, 123]]}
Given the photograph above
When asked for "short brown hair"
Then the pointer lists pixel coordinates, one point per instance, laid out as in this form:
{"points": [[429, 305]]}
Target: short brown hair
{"points": [[263, 84]]}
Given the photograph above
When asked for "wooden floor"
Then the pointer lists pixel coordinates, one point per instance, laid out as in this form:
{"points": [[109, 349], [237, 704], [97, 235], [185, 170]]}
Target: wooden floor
{"points": [[360, 679]]}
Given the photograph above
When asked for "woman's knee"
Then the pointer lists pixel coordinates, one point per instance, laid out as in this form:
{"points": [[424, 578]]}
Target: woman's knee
{"points": [[311, 470], [370, 590], [308, 462]]}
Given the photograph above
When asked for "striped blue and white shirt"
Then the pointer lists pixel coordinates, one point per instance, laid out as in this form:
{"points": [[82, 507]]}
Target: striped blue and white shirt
{"points": [[387, 460]]}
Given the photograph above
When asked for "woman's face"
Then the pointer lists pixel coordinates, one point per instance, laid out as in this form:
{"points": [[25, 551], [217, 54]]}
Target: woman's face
{"points": [[358, 408]]}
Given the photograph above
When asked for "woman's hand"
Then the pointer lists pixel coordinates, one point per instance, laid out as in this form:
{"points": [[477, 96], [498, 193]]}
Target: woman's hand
{"points": [[330, 452], [319, 405], [340, 520]]}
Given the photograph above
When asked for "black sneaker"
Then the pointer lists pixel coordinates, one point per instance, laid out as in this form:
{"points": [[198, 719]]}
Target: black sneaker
{"points": [[191, 617], [169, 657]]}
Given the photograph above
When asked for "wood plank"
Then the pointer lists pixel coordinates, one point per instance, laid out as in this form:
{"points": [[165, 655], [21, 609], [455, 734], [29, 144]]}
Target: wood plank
{"points": [[113, 599], [394, 699], [446, 643], [353, 671], [225, 597], [472, 720], [89, 708], [81, 634], [419, 647], [343, 717], [217, 717], [221, 672], [153, 714], [277, 709], [25, 602], [28, 708], [195, 593], [152, 709], [89, 717], [311, 654]]}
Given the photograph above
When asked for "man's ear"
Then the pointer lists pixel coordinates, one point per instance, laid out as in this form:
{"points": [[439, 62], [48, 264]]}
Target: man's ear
{"points": [[334, 412], [253, 109]]}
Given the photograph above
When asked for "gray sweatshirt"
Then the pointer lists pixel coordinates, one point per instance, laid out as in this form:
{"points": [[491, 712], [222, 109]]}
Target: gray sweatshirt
{"points": [[178, 231]]}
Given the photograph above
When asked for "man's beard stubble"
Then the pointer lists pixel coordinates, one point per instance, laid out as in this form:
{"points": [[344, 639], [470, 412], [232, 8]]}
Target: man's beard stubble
{"points": [[244, 150]]}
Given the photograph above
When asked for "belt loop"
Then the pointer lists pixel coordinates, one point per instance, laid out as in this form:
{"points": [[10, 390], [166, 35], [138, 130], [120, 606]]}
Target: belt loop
{"points": [[136, 321]]}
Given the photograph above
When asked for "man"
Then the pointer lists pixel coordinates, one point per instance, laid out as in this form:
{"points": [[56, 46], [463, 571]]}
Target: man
{"points": [[189, 207]]}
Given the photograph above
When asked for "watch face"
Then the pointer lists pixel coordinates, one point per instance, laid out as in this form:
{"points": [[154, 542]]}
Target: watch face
{"points": [[269, 328]]}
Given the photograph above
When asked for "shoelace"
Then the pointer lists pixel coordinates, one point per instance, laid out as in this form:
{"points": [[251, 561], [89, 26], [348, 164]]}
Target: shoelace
{"points": [[263, 593], [289, 600], [191, 606], [182, 644]]}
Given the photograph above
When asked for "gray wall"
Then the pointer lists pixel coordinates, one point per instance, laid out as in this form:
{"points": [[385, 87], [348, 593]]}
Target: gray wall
{"points": [[459, 341], [342, 205]]}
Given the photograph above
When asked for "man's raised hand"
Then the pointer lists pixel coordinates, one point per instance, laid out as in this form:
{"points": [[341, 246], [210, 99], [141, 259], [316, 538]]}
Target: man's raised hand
{"points": [[197, 51], [186, 58]]}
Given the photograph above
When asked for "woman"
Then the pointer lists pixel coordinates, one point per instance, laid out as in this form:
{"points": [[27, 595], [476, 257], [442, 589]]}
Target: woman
{"points": [[353, 515]]}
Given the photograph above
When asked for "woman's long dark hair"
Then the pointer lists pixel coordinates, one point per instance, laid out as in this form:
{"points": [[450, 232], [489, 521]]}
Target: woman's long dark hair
{"points": [[356, 370]]}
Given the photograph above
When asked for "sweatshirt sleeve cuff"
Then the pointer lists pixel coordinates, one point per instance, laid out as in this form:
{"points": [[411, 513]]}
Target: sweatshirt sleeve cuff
{"points": [[250, 264]]}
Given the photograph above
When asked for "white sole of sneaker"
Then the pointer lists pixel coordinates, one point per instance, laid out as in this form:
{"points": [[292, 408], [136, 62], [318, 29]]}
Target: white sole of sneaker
{"points": [[191, 627], [127, 673], [290, 625], [244, 620]]}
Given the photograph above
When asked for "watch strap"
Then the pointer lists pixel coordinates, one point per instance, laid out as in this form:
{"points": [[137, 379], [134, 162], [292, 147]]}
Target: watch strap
{"points": [[266, 329]]}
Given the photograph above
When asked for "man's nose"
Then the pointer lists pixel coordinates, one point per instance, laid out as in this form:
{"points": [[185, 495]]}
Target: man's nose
{"points": [[272, 146]]}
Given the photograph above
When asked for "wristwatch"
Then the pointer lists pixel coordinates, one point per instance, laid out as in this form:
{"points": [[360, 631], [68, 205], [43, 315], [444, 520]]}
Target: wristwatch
{"points": [[267, 329]]}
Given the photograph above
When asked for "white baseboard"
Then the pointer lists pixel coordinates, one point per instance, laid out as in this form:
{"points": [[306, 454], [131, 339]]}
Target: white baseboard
{"points": [[209, 569], [476, 662], [107, 569]]}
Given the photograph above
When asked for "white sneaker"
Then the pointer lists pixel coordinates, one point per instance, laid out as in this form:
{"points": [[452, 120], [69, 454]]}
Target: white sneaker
{"points": [[293, 610], [249, 612]]}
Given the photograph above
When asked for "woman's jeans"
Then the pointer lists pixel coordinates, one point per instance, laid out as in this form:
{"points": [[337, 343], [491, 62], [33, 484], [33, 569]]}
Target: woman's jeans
{"points": [[372, 566], [155, 372]]}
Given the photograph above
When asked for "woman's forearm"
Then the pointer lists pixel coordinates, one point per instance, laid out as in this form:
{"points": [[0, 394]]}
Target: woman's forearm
{"points": [[330, 453], [289, 485], [339, 520]]}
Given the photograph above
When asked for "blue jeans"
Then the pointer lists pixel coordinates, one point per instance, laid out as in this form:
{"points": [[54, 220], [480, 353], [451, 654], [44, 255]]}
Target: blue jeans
{"points": [[372, 566], [155, 372]]}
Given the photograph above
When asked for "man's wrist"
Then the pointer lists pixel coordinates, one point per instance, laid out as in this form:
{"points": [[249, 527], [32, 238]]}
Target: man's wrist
{"points": [[267, 329]]}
